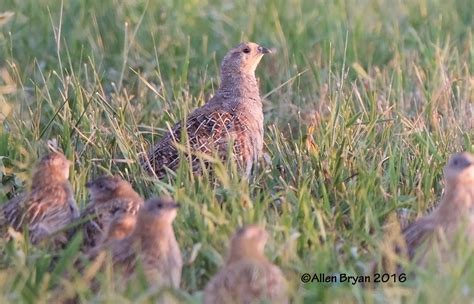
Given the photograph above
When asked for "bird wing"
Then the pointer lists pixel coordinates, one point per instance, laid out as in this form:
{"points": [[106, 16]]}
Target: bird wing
{"points": [[44, 205], [207, 132], [161, 262], [124, 255], [276, 285], [218, 289], [416, 233], [10, 212], [48, 211], [176, 264], [87, 222], [71, 202], [125, 205]]}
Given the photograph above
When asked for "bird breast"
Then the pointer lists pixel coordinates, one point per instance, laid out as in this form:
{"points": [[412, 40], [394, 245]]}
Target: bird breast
{"points": [[252, 118]]}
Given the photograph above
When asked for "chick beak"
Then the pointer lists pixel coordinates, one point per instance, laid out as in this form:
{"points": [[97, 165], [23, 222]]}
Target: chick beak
{"points": [[263, 50], [175, 206]]}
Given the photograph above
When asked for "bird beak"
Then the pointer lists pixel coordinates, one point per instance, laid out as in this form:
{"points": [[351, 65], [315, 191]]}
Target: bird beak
{"points": [[263, 50], [88, 184], [175, 206]]}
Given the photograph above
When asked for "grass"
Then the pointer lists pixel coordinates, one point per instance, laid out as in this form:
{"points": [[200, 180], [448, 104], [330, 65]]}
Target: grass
{"points": [[366, 101]]}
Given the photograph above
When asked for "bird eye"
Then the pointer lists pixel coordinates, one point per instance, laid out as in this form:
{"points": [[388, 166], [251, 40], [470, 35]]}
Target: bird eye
{"points": [[455, 162], [160, 206], [246, 50]]}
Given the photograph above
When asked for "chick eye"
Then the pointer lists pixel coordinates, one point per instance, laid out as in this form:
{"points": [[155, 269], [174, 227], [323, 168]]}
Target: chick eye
{"points": [[160, 206], [246, 50]]}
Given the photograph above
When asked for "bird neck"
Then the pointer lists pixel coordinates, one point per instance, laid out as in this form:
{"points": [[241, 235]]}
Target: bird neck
{"points": [[243, 253], [153, 231], [238, 85], [458, 200], [44, 178], [125, 192]]}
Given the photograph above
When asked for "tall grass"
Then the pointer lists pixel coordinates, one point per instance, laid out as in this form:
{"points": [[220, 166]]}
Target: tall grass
{"points": [[366, 100]]}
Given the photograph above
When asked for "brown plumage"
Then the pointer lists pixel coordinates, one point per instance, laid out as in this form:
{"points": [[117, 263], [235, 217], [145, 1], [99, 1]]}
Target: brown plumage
{"points": [[111, 198], [453, 215], [120, 227], [247, 276], [152, 244], [233, 116], [48, 206]]}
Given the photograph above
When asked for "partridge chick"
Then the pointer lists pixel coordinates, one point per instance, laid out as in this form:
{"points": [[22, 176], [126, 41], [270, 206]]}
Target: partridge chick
{"points": [[49, 204], [111, 198], [152, 244], [233, 119], [453, 215], [247, 276], [120, 227]]}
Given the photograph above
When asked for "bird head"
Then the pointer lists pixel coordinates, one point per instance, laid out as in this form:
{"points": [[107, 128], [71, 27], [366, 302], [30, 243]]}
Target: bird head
{"points": [[243, 58], [460, 169], [55, 165], [106, 187], [248, 241], [163, 209]]}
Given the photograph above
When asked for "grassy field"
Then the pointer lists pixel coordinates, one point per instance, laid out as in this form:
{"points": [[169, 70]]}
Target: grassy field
{"points": [[364, 102]]}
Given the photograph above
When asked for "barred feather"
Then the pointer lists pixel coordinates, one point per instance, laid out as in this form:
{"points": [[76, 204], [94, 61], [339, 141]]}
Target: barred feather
{"points": [[206, 134], [43, 212]]}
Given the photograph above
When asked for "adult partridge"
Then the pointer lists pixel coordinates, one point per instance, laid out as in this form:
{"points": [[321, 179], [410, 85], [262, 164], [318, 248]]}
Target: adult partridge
{"points": [[231, 120]]}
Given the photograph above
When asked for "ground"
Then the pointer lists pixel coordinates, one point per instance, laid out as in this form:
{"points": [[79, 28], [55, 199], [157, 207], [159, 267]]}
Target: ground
{"points": [[364, 102]]}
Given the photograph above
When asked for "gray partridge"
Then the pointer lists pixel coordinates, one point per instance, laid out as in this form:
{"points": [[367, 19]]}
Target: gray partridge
{"points": [[231, 120], [247, 276], [453, 216], [49, 204], [111, 198], [152, 245]]}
